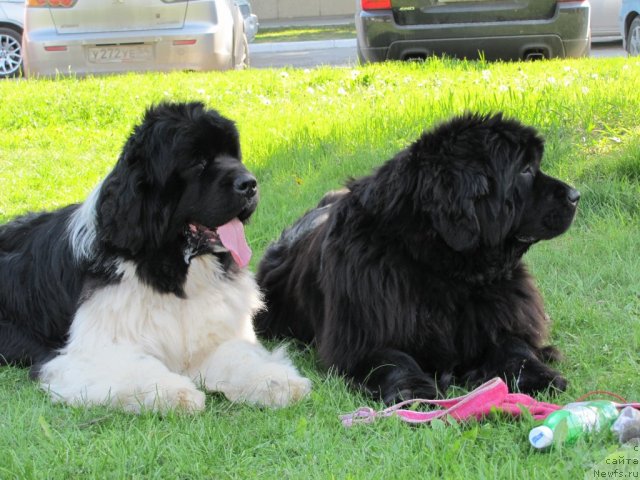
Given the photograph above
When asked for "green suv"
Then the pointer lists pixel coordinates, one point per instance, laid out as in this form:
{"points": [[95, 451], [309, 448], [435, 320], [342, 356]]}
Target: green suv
{"points": [[491, 29]]}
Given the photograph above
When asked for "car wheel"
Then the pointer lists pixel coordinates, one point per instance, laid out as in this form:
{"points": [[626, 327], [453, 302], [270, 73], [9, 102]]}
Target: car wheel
{"points": [[633, 37], [10, 53], [242, 60]]}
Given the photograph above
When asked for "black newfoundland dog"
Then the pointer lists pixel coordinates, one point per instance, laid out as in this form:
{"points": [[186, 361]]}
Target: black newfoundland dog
{"points": [[140, 294], [412, 277]]}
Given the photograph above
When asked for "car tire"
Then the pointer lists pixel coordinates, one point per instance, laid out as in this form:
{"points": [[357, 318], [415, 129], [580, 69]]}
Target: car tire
{"points": [[242, 59], [633, 37], [10, 53]]}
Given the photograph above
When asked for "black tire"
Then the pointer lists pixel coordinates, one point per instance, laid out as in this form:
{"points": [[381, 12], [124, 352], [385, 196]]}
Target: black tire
{"points": [[10, 53], [633, 37]]}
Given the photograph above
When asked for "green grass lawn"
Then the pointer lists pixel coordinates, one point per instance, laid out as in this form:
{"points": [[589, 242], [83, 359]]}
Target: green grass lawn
{"points": [[304, 132], [301, 34]]}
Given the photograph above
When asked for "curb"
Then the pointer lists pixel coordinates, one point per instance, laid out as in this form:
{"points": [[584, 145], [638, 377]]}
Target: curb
{"points": [[273, 47]]}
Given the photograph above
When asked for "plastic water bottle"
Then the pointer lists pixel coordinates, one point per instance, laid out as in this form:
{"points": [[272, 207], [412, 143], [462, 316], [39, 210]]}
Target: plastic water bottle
{"points": [[577, 419]]}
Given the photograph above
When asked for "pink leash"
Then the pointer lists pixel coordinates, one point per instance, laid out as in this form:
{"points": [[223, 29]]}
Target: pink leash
{"points": [[492, 395]]}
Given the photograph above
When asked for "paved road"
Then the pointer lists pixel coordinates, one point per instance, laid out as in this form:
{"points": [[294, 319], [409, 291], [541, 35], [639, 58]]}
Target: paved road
{"points": [[343, 53], [343, 56], [609, 49], [304, 54]]}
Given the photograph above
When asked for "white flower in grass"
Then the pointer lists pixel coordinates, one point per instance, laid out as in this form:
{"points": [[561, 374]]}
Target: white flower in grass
{"points": [[594, 76], [551, 80], [306, 71], [355, 74], [486, 74], [311, 91], [342, 91], [265, 100], [503, 88], [625, 67], [585, 90], [284, 74], [200, 91]]}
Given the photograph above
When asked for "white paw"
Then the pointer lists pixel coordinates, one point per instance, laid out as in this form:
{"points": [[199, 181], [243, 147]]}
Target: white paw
{"points": [[273, 386], [167, 396], [188, 400], [280, 393]]}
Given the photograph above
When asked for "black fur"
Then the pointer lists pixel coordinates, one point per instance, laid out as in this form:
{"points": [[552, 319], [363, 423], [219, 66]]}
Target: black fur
{"points": [[412, 276], [178, 166]]}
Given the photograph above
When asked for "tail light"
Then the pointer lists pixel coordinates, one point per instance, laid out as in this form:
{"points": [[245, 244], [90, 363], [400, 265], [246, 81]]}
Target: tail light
{"points": [[177, 43], [51, 3], [376, 4]]}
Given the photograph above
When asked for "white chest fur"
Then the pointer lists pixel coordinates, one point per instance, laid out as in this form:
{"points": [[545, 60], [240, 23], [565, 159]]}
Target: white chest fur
{"points": [[135, 348], [177, 331]]}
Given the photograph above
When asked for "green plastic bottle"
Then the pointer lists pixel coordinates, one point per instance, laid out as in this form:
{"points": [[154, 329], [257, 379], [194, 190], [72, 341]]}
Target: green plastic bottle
{"points": [[578, 418]]}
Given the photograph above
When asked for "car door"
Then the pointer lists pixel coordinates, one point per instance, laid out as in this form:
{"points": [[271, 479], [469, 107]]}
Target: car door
{"points": [[438, 12], [12, 12], [605, 16]]}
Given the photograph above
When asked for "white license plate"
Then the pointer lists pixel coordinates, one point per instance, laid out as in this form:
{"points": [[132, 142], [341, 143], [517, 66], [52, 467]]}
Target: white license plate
{"points": [[121, 54]]}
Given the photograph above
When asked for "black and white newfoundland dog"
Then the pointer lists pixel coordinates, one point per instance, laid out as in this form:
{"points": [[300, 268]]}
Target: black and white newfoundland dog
{"points": [[140, 294], [412, 277]]}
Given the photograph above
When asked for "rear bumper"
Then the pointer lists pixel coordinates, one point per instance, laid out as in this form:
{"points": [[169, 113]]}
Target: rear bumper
{"points": [[209, 52], [492, 48], [564, 35]]}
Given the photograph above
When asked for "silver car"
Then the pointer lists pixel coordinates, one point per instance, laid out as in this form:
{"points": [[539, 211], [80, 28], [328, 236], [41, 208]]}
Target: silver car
{"points": [[493, 29], [108, 36], [630, 26], [605, 24], [251, 24], [10, 37]]}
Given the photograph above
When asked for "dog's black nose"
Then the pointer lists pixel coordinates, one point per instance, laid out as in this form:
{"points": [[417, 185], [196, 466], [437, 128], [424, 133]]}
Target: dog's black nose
{"points": [[573, 196], [246, 185]]}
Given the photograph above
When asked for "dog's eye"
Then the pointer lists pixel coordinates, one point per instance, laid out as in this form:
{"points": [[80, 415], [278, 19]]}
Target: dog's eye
{"points": [[198, 168], [528, 170]]}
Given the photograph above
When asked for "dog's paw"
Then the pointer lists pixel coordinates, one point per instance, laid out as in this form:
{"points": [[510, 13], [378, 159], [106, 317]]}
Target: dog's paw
{"points": [[540, 379], [549, 354], [188, 400], [282, 391], [408, 388], [273, 386], [165, 396]]}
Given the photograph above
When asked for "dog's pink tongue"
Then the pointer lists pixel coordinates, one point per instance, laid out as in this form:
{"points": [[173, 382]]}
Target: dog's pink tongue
{"points": [[232, 237]]}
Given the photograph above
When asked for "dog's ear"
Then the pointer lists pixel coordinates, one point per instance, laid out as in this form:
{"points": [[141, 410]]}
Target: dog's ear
{"points": [[120, 210], [449, 195], [419, 182], [129, 213]]}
